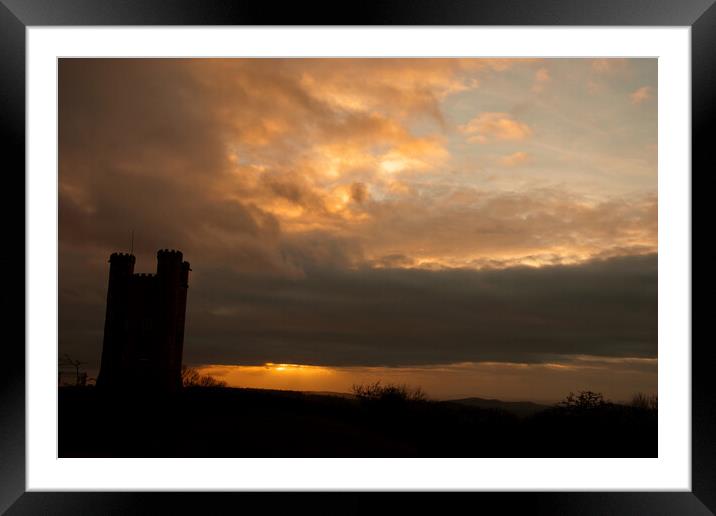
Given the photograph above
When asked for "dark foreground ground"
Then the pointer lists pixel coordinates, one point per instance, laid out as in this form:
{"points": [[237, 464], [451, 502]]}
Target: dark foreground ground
{"points": [[225, 422]]}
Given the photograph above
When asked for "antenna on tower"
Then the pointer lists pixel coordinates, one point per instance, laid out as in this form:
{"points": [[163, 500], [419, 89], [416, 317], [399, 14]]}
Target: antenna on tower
{"points": [[131, 251]]}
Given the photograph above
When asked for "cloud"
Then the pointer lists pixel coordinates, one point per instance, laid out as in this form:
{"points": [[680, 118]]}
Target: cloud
{"points": [[602, 72], [359, 193], [470, 227], [233, 160], [609, 65], [221, 157], [542, 78], [495, 126], [337, 316], [641, 95], [391, 317], [317, 203], [514, 159]]}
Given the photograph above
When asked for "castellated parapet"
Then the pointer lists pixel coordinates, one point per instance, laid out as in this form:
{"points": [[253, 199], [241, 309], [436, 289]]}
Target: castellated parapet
{"points": [[144, 324]]}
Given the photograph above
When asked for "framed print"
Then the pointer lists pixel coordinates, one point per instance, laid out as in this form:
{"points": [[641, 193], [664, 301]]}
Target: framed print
{"points": [[419, 249]]}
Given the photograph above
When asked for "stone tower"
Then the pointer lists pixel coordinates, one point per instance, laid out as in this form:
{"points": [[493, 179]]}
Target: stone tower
{"points": [[144, 324]]}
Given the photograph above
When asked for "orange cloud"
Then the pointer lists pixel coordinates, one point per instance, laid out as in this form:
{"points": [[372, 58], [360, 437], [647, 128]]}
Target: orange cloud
{"points": [[263, 153], [400, 87], [604, 70], [641, 95], [497, 126], [609, 65], [514, 159], [476, 229], [541, 79]]}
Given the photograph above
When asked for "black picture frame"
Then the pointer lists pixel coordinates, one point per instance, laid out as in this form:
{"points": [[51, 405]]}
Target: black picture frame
{"points": [[17, 15]]}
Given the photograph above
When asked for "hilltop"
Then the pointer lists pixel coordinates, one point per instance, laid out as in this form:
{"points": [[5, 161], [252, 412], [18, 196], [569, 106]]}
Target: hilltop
{"points": [[231, 422], [519, 408]]}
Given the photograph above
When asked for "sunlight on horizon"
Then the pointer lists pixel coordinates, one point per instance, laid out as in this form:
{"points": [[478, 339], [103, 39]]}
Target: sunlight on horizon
{"points": [[617, 378]]}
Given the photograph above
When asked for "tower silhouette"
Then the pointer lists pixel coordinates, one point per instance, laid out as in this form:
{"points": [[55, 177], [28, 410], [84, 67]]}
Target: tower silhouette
{"points": [[144, 324]]}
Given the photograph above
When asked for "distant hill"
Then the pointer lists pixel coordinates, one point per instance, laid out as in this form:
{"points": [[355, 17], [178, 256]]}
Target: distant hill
{"points": [[347, 395], [519, 408]]}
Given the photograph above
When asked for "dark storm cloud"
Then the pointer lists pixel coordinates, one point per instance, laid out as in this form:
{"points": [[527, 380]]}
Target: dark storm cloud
{"points": [[141, 149], [393, 317], [412, 316]]}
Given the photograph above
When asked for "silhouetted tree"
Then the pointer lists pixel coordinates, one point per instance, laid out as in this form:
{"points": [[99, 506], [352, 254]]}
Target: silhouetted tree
{"points": [[645, 401], [67, 360], [190, 377], [584, 402], [388, 392], [585, 399]]}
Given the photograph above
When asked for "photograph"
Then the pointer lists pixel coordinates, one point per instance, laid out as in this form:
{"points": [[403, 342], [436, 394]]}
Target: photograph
{"points": [[312, 257], [357, 257]]}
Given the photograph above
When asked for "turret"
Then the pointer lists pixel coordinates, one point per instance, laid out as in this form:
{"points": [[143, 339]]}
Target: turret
{"points": [[172, 278], [121, 269], [169, 262], [121, 263], [176, 355]]}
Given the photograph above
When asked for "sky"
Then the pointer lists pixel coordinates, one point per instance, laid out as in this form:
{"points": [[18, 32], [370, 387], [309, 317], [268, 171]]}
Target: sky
{"points": [[475, 227]]}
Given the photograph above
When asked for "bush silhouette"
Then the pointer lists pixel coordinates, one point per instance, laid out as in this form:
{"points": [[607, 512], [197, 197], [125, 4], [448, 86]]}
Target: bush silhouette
{"points": [[585, 400], [190, 377], [388, 393], [644, 401]]}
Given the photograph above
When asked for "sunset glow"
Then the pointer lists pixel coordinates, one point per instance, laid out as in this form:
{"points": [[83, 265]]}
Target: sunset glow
{"points": [[548, 381], [473, 226]]}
